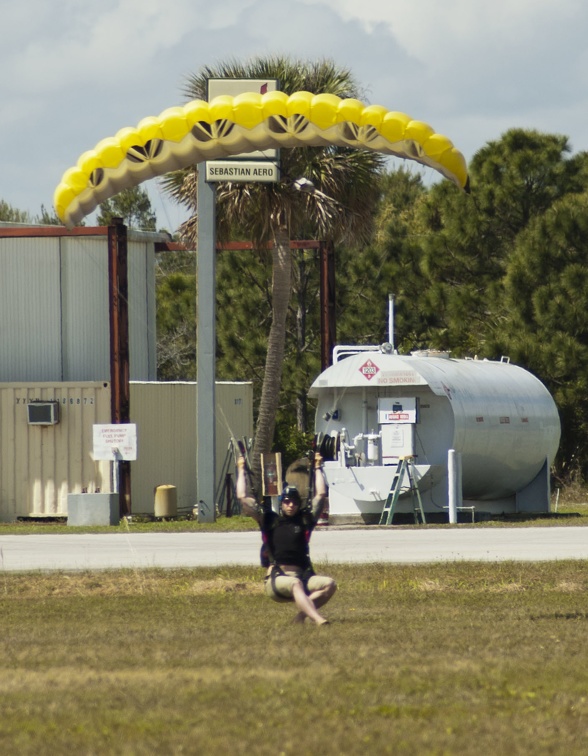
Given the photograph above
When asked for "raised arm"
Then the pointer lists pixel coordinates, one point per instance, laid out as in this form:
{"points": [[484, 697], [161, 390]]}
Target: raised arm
{"points": [[320, 487], [248, 504]]}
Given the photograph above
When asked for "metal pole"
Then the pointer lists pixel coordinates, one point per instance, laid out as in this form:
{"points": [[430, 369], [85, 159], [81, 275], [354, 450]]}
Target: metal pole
{"points": [[206, 348], [391, 321], [327, 301], [454, 484]]}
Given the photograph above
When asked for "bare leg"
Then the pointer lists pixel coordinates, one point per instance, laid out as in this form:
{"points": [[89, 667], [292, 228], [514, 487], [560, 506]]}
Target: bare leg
{"points": [[320, 598], [317, 599], [305, 606]]}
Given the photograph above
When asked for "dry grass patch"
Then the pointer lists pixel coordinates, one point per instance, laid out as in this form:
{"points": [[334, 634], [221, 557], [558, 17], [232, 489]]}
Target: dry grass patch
{"points": [[122, 583], [570, 586], [419, 659]]}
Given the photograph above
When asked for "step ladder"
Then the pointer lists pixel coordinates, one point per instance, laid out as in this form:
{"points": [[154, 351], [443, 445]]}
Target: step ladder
{"points": [[406, 467]]}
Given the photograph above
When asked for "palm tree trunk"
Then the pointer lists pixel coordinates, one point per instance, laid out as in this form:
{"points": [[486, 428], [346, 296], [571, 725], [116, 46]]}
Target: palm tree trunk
{"points": [[272, 381], [301, 275], [301, 412]]}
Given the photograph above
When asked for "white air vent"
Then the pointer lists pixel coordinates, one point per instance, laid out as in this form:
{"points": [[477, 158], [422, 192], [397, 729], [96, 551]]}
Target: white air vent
{"points": [[43, 413]]}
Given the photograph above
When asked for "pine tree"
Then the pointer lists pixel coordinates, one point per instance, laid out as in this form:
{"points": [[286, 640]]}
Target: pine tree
{"points": [[133, 206], [546, 291]]}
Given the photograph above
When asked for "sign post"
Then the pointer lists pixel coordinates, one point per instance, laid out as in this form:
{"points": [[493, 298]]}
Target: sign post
{"points": [[206, 350], [253, 166]]}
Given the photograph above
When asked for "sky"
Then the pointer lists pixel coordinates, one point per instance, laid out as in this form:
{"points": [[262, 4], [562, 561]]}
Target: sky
{"points": [[75, 71]]}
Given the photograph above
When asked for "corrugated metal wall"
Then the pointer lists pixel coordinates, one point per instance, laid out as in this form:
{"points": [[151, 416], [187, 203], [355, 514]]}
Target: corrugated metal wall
{"points": [[40, 465], [165, 414], [85, 336], [30, 310], [54, 321], [142, 311]]}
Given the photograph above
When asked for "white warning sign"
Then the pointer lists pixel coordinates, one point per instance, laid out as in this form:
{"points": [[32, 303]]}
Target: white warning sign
{"points": [[115, 442]]}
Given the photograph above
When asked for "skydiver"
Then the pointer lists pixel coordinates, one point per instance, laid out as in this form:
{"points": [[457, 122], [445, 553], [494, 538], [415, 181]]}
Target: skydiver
{"points": [[290, 576]]}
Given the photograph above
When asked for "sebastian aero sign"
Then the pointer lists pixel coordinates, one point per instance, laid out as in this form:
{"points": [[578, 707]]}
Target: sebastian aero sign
{"points": [[262, 166]]}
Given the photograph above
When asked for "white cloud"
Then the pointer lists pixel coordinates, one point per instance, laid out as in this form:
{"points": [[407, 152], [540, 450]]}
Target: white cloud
{"points": [[427, 27], [75, 72], [111, 42], [489, 62]]}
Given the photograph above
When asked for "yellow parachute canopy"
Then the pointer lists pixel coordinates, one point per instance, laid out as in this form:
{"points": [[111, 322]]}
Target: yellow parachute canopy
{"points": [[183, 136]]}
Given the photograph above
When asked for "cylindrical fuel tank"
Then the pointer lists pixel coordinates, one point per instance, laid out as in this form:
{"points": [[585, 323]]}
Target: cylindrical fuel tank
{"points": [[499, 416]]}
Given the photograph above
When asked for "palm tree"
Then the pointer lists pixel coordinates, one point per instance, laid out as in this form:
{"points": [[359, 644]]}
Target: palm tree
{"points": [[341, 208]]}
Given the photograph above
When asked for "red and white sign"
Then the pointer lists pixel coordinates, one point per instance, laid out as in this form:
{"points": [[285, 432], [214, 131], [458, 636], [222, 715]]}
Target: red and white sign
{"points": [[115, 442], [395, 417], [397, 410], [369, 370]]}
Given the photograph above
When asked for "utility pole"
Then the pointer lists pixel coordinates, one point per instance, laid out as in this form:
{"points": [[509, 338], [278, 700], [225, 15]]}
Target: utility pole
{"points": [[327, 301], [118, 294]]}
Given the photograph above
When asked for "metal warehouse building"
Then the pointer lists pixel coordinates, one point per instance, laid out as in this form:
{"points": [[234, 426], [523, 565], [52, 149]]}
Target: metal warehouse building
{"points": [[55, 348], [54, 304]]}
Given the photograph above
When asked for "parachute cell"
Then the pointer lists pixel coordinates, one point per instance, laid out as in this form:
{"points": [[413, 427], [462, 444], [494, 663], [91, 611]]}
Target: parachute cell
{"points": [[299, 103], [183, 136], [373, 115], [350, 110], [173, 124], [393, 127], [419, 132], [324, 110]]}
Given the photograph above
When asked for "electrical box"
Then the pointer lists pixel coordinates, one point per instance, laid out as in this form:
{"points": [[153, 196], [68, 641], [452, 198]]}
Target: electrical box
{"points": [[397, 442], [43, 413], [400, 410], [397, 418]]}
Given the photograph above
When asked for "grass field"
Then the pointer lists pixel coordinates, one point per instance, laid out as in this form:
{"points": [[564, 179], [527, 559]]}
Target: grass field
{"points": [[428, 659], [570, 512]]}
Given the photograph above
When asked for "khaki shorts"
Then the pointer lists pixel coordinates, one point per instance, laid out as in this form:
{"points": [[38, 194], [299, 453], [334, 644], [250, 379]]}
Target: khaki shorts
{"points": [[284, 584]]}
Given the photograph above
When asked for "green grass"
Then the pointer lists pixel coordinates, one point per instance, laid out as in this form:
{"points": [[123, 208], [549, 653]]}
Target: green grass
{"points": [[429, 659], [132, 525], [569, 513]]}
